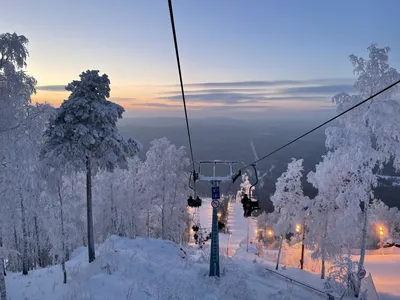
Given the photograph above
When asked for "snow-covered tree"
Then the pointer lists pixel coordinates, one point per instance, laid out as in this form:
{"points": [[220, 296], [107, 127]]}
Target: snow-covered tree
{"points": [[369, 134], [84, 134], [383, 216], [163, 183], [15, 95], [334, 216], [289, 199]]}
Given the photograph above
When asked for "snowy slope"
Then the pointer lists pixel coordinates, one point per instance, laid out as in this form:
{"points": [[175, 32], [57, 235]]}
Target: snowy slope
{"points": [[237, 225], [144, 269]]}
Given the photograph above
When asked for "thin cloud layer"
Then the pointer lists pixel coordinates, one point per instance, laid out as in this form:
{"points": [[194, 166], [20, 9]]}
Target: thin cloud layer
{"points": [[271, 83], [256, 92], [228, 98], [53, 88], [246, 96]]}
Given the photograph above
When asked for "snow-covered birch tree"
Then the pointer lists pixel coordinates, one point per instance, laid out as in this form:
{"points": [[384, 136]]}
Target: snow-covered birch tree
{"points": [[370, 133], [163, 181], [16, 88], [289, 199]]}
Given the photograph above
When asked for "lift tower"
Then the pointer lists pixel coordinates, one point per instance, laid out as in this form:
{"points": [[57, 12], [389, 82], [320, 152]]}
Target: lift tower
{"points": [[215, 185]]}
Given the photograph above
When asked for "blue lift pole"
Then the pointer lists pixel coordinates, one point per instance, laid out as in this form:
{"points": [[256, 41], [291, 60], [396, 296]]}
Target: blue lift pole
{"points": [[215, 184], [214, 255]]}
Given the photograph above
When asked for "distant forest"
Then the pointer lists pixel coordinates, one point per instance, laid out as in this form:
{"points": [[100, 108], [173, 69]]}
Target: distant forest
{"points": [[229, 139]]}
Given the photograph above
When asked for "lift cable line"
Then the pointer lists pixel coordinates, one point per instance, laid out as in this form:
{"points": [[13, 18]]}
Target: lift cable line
{"points": [[171, 14], [323, 124]]}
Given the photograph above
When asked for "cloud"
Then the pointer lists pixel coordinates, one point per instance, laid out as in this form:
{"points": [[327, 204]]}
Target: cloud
{"points": [[224, 90], [271, 83], [123, 99], [235, 98], [206, 108], [232, 93], [323, 89], [244, 83], [53, 88], [159, 105]]}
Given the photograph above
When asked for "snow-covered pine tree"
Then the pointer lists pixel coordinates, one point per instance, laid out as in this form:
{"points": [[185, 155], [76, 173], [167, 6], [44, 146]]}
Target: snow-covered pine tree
{"points": [[84, 134]]}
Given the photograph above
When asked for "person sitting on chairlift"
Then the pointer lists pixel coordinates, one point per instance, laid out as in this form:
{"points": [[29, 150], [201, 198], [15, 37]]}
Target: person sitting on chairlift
{"points": [[246, 206]]}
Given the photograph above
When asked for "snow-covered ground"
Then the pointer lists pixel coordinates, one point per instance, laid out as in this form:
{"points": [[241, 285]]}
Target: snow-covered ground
{"points": [[154, 269], [385, 270], [151, 269]]}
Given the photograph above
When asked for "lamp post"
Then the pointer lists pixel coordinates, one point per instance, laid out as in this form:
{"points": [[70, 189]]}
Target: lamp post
{"points": [[380, 237], [302, 247]]}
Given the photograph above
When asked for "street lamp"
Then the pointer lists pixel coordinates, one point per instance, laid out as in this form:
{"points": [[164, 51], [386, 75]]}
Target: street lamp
{"points": [[270, 233], [219, 215], [380, 237], [297, 228]]}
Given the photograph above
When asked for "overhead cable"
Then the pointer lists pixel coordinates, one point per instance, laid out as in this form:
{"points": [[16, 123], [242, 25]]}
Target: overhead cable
{"points": [[171, 14], [321, 125]]}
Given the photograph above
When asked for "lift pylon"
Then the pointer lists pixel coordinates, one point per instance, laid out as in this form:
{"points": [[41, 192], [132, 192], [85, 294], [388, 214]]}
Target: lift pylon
{"points": [[215, 185]]}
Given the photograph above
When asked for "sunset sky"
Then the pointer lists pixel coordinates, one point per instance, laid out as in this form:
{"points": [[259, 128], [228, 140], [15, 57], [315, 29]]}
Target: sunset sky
{"points": [[238, 56]]}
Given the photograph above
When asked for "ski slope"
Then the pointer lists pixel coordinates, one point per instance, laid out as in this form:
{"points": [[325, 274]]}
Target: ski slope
{"points": [[237, 225], [152, 269]]}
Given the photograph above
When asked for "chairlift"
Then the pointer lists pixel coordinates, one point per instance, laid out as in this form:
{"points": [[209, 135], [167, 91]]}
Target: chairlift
{"points": [[251, 203], [194, 202], [221, 225]]}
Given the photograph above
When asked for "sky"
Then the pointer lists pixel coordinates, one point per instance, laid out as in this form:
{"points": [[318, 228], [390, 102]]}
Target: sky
{"points": [[238, 57]]}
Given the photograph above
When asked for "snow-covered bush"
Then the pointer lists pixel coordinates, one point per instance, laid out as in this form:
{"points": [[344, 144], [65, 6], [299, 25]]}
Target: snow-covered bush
{"points": [[342, 276]]}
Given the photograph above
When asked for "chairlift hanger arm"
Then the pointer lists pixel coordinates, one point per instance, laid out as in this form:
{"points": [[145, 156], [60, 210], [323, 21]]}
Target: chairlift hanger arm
{"points": [[255, 183]]}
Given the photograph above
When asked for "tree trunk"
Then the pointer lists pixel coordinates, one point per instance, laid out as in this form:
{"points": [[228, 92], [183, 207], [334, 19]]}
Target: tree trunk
{"points": [[63, 254], [3, 292], [163, 222], [279, 253], [16, 238], [323, 248], [113, 211], [302, 245], [39, 251], [148, 224], [363, 245], [2, 261], [24, 236], [91, 250]]}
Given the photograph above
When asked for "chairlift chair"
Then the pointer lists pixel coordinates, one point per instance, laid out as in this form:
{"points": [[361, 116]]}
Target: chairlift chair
{"points": [[255, 204], [251, 203], [194, 202]]}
